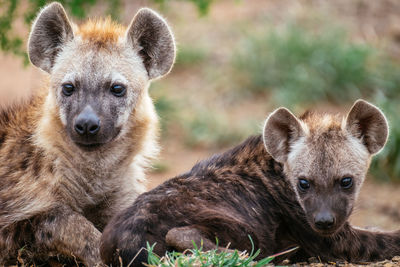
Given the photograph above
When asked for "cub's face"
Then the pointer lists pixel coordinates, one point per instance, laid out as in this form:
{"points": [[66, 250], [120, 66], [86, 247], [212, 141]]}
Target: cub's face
{"points": [[326, 172], [326, 158], [97, 94]]}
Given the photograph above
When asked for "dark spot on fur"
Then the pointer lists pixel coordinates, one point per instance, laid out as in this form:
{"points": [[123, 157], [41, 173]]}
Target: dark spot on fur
{"points": [[49, 235], [50, 168], [37, 166], [364, 238], [3, 136], [362, 250], [374, 256], [380, 242], [51, 218]]}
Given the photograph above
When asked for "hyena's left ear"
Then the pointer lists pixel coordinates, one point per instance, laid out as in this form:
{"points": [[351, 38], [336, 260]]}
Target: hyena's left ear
{"points": [[50, 31], [368, 123], [281, 130], [150, 35]]}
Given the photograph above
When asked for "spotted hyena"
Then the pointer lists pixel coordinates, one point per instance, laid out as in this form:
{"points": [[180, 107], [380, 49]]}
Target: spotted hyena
{"points": [[293, 186], [75, 153]]}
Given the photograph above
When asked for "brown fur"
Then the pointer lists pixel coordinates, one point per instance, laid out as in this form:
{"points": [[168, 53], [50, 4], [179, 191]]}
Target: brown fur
{"points": [[102, 31], [248, 191], [56, 195]]}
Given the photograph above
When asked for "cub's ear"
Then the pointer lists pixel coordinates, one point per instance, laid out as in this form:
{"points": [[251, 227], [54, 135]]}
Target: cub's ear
{"points": [[150, 35], [368, 123], [50, 31], [281, 129]]}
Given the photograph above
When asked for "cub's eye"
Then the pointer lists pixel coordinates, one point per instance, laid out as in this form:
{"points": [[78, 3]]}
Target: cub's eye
{"points": [[346, 182], [304, 184], [118, 90], [68, 89]]}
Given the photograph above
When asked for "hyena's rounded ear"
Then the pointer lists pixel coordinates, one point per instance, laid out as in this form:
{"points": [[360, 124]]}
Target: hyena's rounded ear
{"points": [[50, 31], [281, 129], [366, 122], [150, 35]]}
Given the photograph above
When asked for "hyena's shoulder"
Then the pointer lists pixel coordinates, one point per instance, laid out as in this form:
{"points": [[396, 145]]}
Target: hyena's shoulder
{"points": [[25, 166], [22, 116]]}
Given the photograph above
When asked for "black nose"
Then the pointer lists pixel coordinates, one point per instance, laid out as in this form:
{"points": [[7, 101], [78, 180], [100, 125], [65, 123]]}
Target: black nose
{"points": [[324, 220], [87, 122]]}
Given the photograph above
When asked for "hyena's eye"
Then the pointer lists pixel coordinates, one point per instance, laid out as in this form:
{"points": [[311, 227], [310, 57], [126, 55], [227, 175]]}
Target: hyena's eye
{"points": [[346, 182], [118, 90], [68, 89], [304, 184]]}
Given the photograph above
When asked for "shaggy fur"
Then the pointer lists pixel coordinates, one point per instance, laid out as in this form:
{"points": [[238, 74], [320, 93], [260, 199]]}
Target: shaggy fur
{"points": [[58, 189], [253, 190]]}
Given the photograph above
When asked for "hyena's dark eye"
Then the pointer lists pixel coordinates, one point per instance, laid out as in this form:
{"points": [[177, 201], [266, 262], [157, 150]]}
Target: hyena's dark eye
{"points": [[68, 89], [118, 90], [346, 182], [304, 184]]}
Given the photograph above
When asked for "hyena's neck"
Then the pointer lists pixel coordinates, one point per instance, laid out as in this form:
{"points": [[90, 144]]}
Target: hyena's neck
{"points": [[249, 160]]}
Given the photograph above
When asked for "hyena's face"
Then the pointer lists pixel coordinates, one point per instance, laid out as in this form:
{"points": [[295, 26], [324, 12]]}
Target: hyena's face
{"points": [[97, 94], [326, 170], [326, 159], [100, 71]]}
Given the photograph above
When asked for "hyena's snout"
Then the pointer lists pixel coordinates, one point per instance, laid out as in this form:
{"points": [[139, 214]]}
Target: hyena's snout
{"points": [[324, 220], [87, 123]]}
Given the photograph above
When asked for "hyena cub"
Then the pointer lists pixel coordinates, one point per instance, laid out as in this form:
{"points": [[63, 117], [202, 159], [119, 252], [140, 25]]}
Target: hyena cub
{"points": [[293, 186], [74, 155]]}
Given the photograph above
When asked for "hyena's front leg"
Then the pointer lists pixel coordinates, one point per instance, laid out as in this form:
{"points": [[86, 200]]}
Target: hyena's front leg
{"points": [[355, 245], [363, 245], [60, 231], [182, 238]]}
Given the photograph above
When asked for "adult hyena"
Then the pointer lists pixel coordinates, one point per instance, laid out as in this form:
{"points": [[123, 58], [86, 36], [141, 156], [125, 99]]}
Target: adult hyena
{"points": [[74, 155], [293, 186]]}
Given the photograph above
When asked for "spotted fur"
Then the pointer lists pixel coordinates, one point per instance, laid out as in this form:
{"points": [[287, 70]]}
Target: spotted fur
{"points": [[250, 190], [57, 194]]}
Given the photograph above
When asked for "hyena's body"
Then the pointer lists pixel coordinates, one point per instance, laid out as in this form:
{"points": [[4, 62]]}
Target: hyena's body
{"points": [[249, 191], [74, 155]]}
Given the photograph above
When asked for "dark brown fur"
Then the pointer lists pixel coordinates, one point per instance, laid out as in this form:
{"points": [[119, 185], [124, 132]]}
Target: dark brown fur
{"points": [[241, 192]]}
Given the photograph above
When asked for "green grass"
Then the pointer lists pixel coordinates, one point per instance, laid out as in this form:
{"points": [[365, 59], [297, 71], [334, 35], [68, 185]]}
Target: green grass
{"points": [[196, 257]]}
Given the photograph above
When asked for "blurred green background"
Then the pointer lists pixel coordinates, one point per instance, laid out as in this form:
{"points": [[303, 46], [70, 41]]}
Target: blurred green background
{"points": [[238, 60]]}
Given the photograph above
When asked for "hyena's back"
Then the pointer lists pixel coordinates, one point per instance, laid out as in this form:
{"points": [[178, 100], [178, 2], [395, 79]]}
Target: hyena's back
{"points": [[219, 195]]}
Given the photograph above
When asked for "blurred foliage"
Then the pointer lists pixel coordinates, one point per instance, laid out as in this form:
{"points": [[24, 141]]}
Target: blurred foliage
{"points": [[189, 56], [300, 67], [207, 128], [166, 108], [202, 5], [12, 43], [386, 166]]}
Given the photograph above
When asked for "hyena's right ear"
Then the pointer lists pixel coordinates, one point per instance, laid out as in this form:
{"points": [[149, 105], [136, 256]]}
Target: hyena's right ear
{"points": [[151, 37], [368, 123], [281, 129], [50, 31]]}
